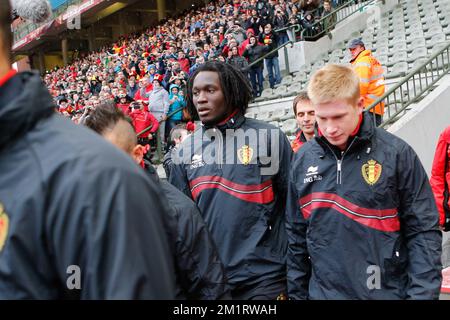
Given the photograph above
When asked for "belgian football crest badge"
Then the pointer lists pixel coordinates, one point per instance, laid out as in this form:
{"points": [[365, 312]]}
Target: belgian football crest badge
{"points": [[245, 154], [371, 171], [4, 226]]}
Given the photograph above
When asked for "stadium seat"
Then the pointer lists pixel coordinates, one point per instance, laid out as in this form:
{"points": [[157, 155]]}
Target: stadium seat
{"points": [[300, 77], [399, 56], [439, 46], [382, 50], [383, 59], [417, 41], [264, 116], [294, 89], [336, 60], [278, 114], [265, 95], [280, 91], [438, 38], [289, 126], [418, 62], [419, 52], [398, 70], [287, 80], [433, 31], [250, 114]]}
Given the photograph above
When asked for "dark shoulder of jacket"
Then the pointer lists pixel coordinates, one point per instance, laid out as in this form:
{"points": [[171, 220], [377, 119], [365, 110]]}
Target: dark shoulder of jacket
{"points": [[390, 142], [258, 124], [306, 151], [59, 143], [180, 203]]}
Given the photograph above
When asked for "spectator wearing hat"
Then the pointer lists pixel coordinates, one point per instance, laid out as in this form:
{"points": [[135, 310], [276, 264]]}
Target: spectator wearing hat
{"points": [[250, 32], [177, 101], [95, 86], [371, 77], [123, 102], [237, 61]]}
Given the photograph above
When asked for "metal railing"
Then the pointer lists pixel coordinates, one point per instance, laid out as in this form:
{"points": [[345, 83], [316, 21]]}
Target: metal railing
{"points": [[328, 22], [346, 9], [284, 45], [413, 87]]}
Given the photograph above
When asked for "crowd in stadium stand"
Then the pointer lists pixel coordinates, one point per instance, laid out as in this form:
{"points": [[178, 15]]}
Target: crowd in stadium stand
{"points": [[152, 67]]}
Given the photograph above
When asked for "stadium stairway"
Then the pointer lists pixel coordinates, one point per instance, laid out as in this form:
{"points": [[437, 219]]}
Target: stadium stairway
{"points": [[404, 38]]}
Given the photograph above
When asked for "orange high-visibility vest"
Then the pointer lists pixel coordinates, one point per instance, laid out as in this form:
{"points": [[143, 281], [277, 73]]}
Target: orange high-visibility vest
{"points": [[371, 79]]}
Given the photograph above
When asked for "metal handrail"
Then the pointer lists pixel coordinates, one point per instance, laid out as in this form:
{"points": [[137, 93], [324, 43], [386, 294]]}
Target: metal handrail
{"points": [[339, 18], [297, 27], [269, 53], [407, 91]]}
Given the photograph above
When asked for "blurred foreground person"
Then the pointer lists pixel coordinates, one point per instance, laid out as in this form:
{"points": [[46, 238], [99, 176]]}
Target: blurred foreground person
{"points": [[74, 211]]}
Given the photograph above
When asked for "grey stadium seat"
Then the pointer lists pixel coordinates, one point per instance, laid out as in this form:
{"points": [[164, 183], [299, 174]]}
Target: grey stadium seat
{"points": [[289, 126], [419, 52], [398, 70]]}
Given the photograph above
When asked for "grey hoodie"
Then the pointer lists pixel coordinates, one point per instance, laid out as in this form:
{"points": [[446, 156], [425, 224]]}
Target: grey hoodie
{"points": [[158, 100]]}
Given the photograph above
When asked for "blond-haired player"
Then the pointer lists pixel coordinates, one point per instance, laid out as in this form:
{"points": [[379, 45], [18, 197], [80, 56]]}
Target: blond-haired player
{"points": [[361, 218]]}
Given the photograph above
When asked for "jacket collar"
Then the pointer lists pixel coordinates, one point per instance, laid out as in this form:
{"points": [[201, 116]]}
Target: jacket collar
{"points": [[363, 135], [234, 121], [364, 53], [11, 73]]}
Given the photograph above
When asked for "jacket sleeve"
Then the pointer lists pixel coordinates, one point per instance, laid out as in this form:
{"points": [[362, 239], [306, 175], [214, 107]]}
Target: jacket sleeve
{"points": [[109, 223], [178, 175], [284, 166], [201, 269], [437, 179], [153, 122], [166, 101], [362, 68], [298, 264], [419, 221]]}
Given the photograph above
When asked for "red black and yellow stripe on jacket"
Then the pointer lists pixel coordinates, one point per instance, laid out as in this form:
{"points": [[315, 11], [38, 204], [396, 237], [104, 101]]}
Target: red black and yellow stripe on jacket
{"points": [[361, 222]]}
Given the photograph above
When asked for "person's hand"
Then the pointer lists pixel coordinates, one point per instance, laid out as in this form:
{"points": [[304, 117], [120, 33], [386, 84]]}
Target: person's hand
{"points": [[164, 117], [248, 46], [150, 136]]}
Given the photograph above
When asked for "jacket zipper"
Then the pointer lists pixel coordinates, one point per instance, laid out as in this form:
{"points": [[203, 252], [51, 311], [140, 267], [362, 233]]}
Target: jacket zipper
{"points": [[339, 162]]}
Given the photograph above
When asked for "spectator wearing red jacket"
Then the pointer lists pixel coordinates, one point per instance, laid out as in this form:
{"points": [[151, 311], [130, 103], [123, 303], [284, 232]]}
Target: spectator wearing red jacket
{"points": [[142, 119], [123, 103], [184, 62], [246, 42], [144, 89], [440, 178]]}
